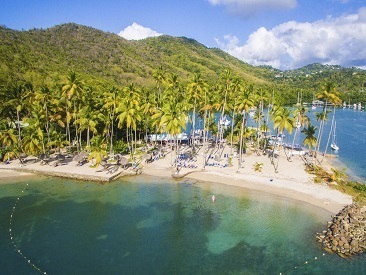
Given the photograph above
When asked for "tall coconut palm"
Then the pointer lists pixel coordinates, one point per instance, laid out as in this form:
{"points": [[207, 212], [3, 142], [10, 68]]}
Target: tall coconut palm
{"points": [[147, 108], [196, 89], [174, 119], [159, 76], [282, 120], [73, 88], [226, 78], [129, 113], [328, 94], [15, 102], [236, 87], [211, 104], [43, 95], [97, 150], [261, 97], [301, 119], [112, 100], [36, 124], [245, 103], [310, 139]]}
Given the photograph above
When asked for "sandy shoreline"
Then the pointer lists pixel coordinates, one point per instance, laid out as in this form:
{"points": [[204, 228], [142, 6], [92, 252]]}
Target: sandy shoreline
{"points": [[292, 181]]}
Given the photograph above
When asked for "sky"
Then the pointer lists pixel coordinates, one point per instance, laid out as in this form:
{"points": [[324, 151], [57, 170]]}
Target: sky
{"points": [[285, 34]]}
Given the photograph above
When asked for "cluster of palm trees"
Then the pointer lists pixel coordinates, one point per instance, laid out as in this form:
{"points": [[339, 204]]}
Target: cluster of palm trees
{"points": [[36, 120]]}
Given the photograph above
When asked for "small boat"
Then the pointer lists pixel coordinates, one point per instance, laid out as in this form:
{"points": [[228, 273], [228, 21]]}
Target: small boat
{"points": [[334, 145], [224, 121]]}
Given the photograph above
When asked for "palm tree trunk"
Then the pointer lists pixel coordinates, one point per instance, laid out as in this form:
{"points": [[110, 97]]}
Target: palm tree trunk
{"points": [[193, 125], [329, 135], [232, 132], [241, 141], [88, 136], [111, 143], [19, 132]]}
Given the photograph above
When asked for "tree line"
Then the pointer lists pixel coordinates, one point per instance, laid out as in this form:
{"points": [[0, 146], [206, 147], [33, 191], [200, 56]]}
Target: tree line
{"points": [[103, 121]]}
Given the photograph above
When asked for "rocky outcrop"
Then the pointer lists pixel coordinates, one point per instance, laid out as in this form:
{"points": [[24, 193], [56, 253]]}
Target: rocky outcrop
{"points": [[346, 233]]}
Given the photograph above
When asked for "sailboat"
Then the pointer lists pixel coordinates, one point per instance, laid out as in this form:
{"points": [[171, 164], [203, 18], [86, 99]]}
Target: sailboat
{"points": [[334, 145]]}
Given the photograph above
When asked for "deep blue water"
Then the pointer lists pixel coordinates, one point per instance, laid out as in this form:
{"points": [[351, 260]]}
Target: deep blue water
{"points": [[350, 137], [148, 225]]}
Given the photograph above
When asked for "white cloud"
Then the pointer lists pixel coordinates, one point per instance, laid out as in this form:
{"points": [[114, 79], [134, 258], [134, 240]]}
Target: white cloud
{"points": [[293, 44], [248, 8], [137, 32]]}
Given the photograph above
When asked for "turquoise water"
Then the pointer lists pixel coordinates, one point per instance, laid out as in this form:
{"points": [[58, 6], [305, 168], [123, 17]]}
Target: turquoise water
{"points": [[146, 225]]}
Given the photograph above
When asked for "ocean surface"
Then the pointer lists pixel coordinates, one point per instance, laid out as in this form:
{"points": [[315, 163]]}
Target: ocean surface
{"points": [[145, 225]]}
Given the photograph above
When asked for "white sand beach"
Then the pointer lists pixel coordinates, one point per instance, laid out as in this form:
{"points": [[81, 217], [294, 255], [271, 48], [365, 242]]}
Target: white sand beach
{"points": [[291, 181]]}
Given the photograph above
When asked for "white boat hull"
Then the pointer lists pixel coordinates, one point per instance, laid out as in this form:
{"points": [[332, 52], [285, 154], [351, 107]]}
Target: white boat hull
{"points": [[334, 146]]}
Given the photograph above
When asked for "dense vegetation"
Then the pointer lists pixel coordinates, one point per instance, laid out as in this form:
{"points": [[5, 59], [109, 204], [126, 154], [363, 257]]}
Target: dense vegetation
{"points": [[45, 56]]}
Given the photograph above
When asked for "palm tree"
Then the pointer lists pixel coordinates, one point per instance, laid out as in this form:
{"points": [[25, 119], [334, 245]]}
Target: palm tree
{"points": [[310, 139], [236, 87], [71, 89], [43, 95], [58, 140], [301, 119], [245, 103], [195, 91], [329, 95], [98, 150], [282, 120], [210, 106], [174, 119], [226, 78], [15, 101], [261, 96], [36, 123], [159, 77], [129, 112], [112, 100], [148, 109]]}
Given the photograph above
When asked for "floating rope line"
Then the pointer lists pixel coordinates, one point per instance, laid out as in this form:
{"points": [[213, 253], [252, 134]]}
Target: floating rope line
{"points": [[303, 264], [12, 238]]}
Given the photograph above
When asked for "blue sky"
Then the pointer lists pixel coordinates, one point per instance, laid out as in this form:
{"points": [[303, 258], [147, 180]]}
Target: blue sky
{"points": [[285, 34]]}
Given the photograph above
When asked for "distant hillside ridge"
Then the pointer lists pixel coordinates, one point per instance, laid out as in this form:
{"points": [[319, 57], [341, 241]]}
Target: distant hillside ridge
{"points": [[108, 58], [44, 56]]}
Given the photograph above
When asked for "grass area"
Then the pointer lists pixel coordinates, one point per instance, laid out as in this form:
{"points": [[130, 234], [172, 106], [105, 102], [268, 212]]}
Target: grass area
{"points": [[337, 179]]}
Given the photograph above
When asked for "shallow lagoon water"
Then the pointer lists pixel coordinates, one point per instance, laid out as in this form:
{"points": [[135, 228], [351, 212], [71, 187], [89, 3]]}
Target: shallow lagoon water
{"points": [[146, 225]]}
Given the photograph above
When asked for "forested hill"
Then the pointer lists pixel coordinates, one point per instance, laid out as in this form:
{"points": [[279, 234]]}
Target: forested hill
{"points": [[40, 55], [102, 59]]}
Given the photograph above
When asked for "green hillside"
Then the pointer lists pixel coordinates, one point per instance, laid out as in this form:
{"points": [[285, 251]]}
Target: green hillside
{"points": [[44, 56], [104, 58]]}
